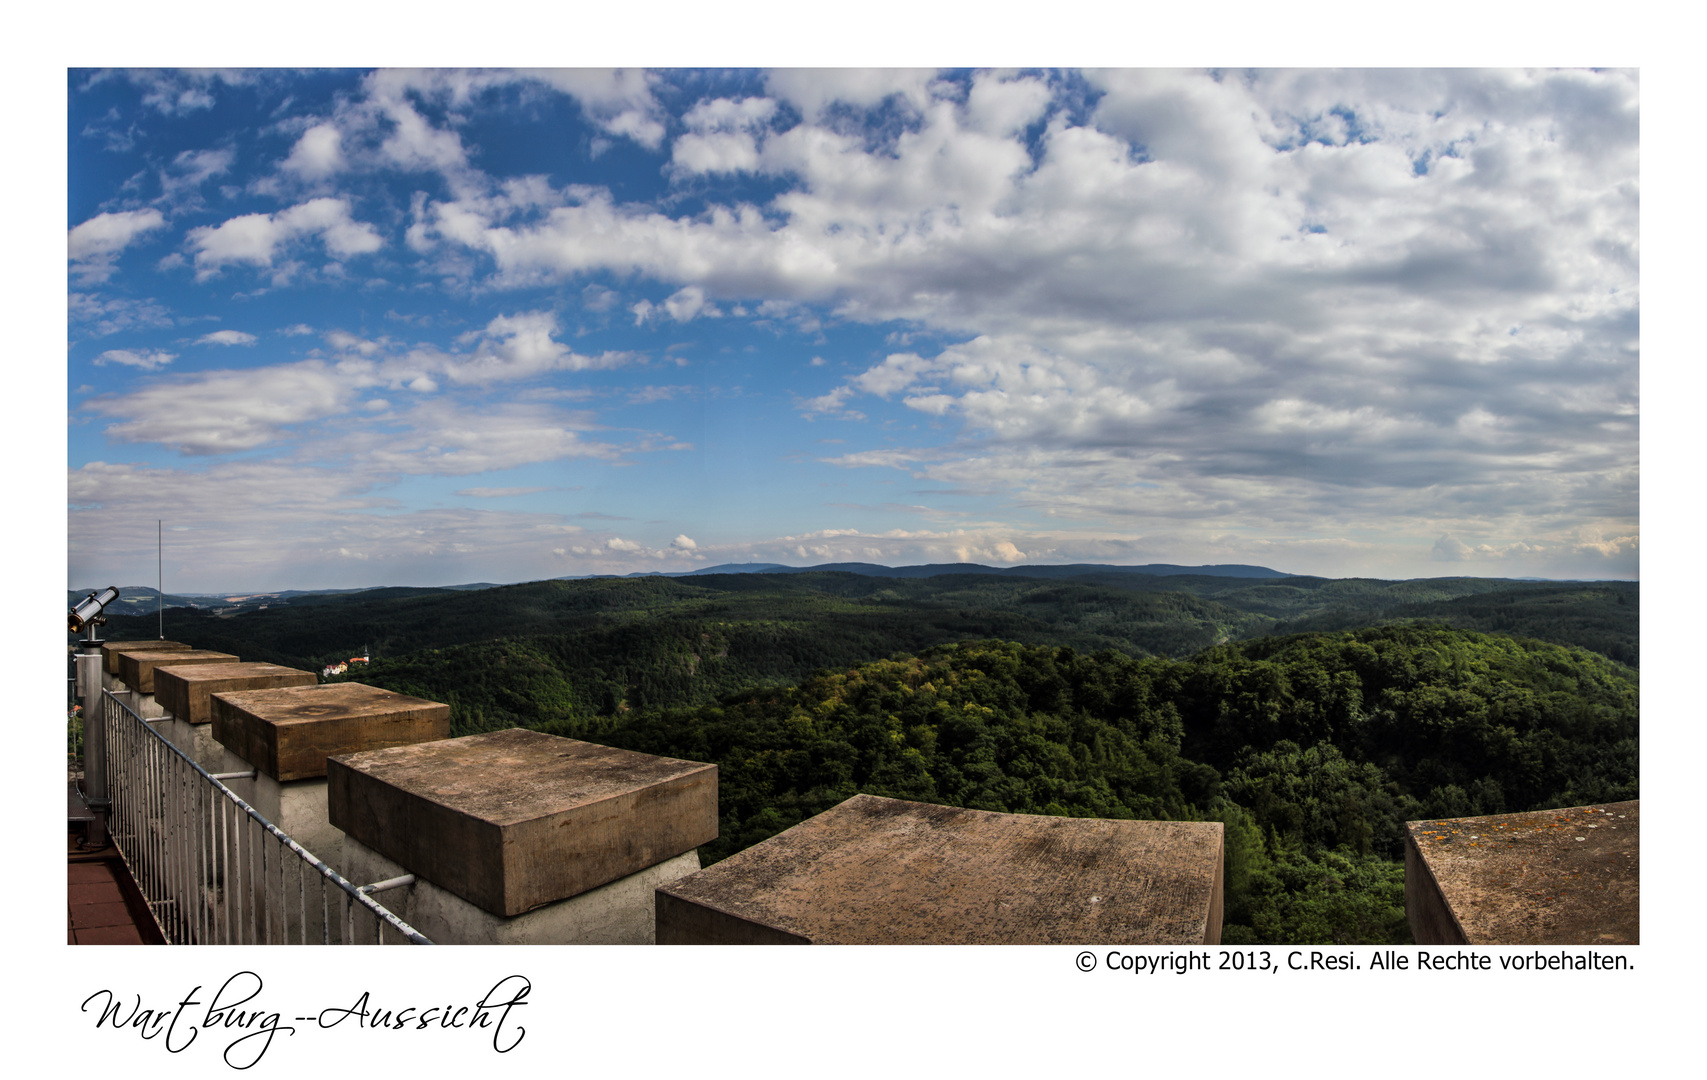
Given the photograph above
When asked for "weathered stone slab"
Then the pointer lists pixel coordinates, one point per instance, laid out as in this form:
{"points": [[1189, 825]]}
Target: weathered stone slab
{"points": [[137, 668], [110, 650], [616, 913], [187, 692], [512, 820], [875, 871], [1546, 877], [289, 732]]}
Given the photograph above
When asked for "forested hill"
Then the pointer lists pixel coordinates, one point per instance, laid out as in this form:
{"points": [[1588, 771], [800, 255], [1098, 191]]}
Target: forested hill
{"points": [[1312, 749], [604, 644], [1604, 617]]}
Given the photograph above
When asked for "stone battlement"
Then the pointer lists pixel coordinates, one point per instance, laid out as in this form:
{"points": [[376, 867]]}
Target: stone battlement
{"points": [[875, 871], [1547, 877]]}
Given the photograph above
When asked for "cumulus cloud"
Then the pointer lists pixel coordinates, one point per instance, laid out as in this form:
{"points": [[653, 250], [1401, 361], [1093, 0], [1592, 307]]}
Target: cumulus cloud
{"points": [[688, 304], [318, 153], [722, 136], [147, 359], [516, 347], [217, 412], [104, 315], [254, 239], [1450, 549], [442, 438], [181, 181], [682, 306], [813, 90], [834, 402], [181, 92], [95, 245], [227, 337], [683, 543], [620, 101]]}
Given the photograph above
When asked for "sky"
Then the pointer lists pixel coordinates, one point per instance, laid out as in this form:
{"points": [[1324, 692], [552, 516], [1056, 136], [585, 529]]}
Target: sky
{"points": [[379, 327]]}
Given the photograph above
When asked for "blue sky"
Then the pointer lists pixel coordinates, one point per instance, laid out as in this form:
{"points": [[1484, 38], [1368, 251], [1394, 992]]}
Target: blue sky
{"points": [[427, 327]]}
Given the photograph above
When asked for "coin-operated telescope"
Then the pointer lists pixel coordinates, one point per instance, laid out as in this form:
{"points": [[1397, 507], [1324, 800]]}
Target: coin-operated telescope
{"points": [[85, 617], [84, 612]]}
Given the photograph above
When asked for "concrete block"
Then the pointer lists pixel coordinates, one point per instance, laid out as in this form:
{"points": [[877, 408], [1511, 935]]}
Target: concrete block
{"points": [[297, 807], [875, 871], [1546, 877], [136, 668], [195, 740], [187, 692], [616, 913], [513, 820], [111, 649], [289, 732]]}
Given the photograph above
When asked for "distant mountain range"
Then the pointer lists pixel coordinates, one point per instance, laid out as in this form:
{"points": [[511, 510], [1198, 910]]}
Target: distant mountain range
{"points": [[935, 569], [144, 599]]}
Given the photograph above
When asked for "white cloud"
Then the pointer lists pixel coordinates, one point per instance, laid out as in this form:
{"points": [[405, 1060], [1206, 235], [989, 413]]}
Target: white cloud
{"points": [[620, 100], [1001, 105], [95, 245], [318, 154], [255, 239], [179, 92], [729, 114], [227, 337], [683, 542], [617, 543], [813, 90], [718, 152], [1450, 549], [834, 402], [443, 438], [147, 359], [181, 181], [111, 315], [688, 304], [722, 136], [897, 372], [598, 298], [216, 412], [515, 346]]}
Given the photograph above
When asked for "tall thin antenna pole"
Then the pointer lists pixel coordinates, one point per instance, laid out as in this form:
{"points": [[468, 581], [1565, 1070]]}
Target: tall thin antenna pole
{"points": [[160, 578]]}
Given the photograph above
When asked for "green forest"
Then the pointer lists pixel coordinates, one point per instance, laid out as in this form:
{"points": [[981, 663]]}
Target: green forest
{"points": [[1312, 717]]}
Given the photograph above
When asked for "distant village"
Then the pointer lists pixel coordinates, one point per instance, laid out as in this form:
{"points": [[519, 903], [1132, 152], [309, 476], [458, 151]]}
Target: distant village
{"points": [[342, 666]]}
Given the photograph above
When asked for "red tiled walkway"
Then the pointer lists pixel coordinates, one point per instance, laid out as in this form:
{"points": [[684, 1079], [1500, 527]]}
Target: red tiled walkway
{"points": [[99, 915]]}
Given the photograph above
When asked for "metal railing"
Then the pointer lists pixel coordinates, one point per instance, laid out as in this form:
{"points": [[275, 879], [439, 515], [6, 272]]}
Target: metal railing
{"points": [[212, 869]]}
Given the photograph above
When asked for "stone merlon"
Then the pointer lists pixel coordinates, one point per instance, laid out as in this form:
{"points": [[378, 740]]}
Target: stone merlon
{"points": [[1546, 877], [875, 871]]}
